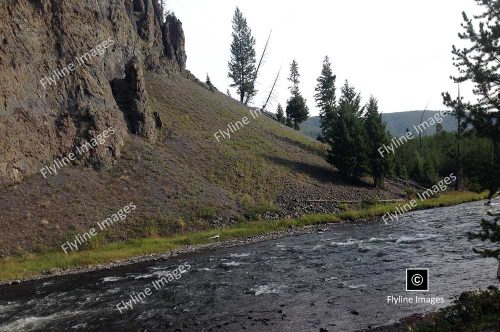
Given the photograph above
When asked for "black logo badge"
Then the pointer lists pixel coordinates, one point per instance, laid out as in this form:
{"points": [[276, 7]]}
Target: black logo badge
{"points": [[417, 280]]}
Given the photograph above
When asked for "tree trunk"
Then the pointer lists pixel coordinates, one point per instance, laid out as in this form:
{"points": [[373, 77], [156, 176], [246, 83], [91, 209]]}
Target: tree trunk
{"points": [[459, 185], [378, 181]]}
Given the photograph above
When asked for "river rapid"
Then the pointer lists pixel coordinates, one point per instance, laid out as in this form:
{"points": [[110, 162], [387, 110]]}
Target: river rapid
{"points": [[336, 278]]}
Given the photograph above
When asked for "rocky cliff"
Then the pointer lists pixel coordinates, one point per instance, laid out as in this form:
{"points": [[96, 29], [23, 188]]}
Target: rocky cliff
{"points": [[70, 70]]}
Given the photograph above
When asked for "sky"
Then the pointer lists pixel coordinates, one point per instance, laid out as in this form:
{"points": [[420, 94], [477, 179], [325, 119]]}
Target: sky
{"points": [[399, 51]]}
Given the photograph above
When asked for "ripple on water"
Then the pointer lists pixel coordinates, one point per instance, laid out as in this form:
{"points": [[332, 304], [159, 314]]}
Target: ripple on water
{"points": [[232, 263], [349, 242], [330, 279], [357, 286], [34, 323], [205, 269], [8, 307], [111, 279], [272, 288], [144, 276], [414, 239], [239, 255], [379, 240]]}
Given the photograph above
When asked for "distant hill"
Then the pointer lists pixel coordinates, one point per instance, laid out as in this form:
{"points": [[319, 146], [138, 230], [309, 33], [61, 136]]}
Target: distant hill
{"points": [[396, 123]]}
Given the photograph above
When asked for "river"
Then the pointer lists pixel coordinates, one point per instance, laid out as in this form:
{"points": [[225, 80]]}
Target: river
{"points": [[336, 278]]}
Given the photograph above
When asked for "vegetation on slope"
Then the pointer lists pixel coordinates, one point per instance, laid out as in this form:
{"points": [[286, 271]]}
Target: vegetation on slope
{"points": [[186, 182]]}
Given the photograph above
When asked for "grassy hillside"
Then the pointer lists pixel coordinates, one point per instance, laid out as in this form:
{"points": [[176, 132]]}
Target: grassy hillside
{"points": [[186, 182], [396, 123]]}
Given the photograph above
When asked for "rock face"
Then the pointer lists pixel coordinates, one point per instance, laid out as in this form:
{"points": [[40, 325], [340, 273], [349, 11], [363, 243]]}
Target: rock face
{"points": [[173, 40], [71, 69]]}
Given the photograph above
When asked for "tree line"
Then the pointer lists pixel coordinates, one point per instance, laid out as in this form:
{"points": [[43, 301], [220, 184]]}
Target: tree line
{"points": [[355, 131]]}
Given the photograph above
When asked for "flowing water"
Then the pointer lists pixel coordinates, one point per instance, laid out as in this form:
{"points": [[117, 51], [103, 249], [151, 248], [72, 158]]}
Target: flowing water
{"points": [[337, 278]]}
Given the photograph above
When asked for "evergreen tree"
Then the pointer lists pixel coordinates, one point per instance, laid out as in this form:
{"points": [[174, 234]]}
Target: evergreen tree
{"points": [[439, 130], [347, 135], [288, 122], [479, 63], [418, 172], [208, 82], [430, 176], [377, 137], [280, 115], [242, 63], [401, 170], [296, 109], [325, 94], [294, 78]]}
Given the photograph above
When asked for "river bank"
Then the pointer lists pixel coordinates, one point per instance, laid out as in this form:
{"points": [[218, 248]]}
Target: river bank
{"points": [[45, 265], [335, 277]]}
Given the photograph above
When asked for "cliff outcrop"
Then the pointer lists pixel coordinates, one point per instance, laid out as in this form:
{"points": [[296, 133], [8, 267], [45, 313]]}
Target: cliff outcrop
{"points": [[71, 69]]}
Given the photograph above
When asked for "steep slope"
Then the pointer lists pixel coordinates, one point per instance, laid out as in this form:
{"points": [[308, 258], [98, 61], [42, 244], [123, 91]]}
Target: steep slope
{"points": [[186, 180]]}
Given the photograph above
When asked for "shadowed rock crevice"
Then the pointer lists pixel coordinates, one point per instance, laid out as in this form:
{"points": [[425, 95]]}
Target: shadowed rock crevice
{"points": [[132, 99]]}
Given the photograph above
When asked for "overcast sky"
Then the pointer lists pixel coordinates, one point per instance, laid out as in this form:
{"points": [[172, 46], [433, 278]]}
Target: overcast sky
{"points": [[398, 51]]}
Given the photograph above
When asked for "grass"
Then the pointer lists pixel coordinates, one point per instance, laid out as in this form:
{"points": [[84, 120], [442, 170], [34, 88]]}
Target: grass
{"points": [[30, 265]]}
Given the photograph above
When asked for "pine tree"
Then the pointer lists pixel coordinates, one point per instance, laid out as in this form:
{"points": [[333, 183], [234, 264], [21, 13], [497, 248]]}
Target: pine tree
{"points": [[280, 115], [296, 109], [479, 63], [242, 63], [439, 130], [401, 170], [377, 137], [294, 78], [325, 94], [418, 172], [347, 135], [430, 175], [208, 82]]}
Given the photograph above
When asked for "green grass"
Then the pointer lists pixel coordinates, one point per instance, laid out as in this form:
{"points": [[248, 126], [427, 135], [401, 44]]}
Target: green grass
{"points": [[35, 264]]}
